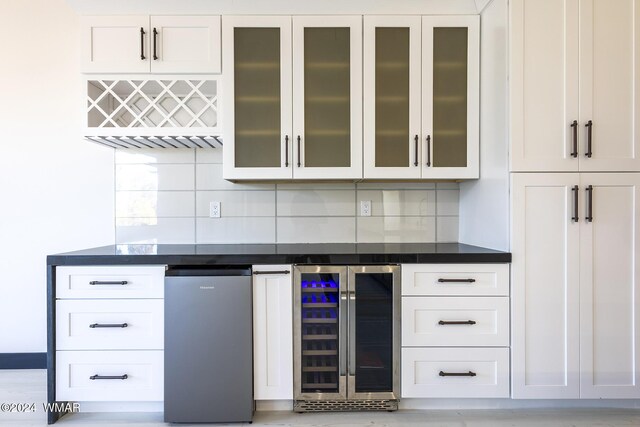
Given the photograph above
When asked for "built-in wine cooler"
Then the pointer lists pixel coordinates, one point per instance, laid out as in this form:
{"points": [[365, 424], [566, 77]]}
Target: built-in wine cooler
{"points": [[346, 338]]}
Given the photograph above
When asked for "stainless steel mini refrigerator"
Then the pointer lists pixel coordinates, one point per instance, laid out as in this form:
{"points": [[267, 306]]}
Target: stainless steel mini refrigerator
{"points": [[208, 346], [346, 338]]}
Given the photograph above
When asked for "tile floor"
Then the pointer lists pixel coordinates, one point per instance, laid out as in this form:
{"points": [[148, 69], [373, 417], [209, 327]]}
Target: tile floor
{"points": [[29, 386]]}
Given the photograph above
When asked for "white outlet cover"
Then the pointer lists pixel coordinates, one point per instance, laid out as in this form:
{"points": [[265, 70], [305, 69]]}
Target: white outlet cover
{"points": [[365, 208], [214, 209]]}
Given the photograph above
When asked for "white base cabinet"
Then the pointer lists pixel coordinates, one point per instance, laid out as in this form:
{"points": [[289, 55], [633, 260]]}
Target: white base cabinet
{"points": [[455, 330], [575, 286], [272, 332]]}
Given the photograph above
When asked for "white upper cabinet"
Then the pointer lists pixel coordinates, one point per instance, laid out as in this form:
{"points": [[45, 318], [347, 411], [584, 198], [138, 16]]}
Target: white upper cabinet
{"points": [[293, 97], [258, 142], [157, 44], [573, 85], [450, 97], [327, 97], [392, 96]]}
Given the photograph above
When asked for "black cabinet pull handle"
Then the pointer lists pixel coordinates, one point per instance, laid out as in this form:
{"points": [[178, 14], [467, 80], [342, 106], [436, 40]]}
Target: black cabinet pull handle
{"points": [[456, 280], [415, 163], [457, 374], [108, 325], [155, 44], [299, 151], [589, 216], [457, 322], [589, 127], [428, 150], [99, 282], [286, 151], [257, 273], [142, 33], [575, 218], [109, 377], [574, 128]]}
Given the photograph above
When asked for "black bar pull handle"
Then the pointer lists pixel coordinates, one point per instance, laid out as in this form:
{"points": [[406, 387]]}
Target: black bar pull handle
{"points": [[457, 322], [589, 127], [415, 163], [109, 377], [108, 325], [575, 218], [155, 44], [257, 273], [574, 129], [286, 151], [299, 163], [457, 374], [456, 280], [428, 150], [108, 282], [589, 216], [142, 33]]}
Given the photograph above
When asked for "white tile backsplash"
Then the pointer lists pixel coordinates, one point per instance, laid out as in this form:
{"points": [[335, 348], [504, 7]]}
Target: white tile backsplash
{"points": [[237, 203], [236, 230], [163, 197], [396, 229], [399, 202], [319, 229], [317, 203]]}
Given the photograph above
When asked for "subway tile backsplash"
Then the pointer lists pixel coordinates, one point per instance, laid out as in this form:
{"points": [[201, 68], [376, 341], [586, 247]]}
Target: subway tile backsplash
{"points": [[164, 197]]}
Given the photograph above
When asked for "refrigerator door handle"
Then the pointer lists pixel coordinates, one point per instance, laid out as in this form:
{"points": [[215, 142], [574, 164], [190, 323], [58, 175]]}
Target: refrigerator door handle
{"points": [[352, 333]]}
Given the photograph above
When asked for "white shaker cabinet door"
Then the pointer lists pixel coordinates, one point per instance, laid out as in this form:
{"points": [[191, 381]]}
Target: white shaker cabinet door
{"points": [[545, 287], [115, 44], [185, 44], [544, 84], [609, 286], [272, 332], [609, 85]]}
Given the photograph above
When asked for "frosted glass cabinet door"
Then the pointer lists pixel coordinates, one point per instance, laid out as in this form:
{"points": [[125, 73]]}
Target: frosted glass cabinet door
{"points": [[450, 67], [257, 97], [392, 147], [327, 97]]}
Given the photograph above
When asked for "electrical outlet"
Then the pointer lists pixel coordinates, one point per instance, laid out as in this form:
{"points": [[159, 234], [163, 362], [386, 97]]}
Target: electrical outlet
{"points": [[214, 209], [365, 207]]}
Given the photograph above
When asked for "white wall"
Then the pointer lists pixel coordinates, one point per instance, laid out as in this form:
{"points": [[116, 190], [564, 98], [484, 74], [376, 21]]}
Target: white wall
{"points": [[484, 204], [56, 189]]}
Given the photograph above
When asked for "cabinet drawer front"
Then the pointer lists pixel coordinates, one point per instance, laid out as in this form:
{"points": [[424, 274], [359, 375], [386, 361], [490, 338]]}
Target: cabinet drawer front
{"points": [[144, 372], [455, 279], [427, 372], [438, 321], [110, 324], [110, 282]]}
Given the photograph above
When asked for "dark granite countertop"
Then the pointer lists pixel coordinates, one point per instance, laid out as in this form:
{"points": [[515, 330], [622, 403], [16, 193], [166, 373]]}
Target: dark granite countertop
{"points": [[239, 254]]}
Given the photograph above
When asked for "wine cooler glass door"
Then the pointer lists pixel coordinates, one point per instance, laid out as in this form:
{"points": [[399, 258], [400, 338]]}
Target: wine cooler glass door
{"points": [[373, 366], [320, 332]]}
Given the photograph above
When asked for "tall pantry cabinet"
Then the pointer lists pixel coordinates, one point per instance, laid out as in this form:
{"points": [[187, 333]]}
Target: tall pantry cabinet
{"points": [[574, 219]]}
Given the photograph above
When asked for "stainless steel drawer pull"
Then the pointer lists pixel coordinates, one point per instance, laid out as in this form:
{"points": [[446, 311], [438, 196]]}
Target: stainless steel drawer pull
{"points": [[457, 374], [456, 280], [256, 273], [109, 377], [457, 322], [98, 282], [108, 325]]}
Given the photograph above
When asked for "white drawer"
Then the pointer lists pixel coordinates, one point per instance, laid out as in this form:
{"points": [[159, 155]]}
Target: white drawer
{"points": [[100, 324], [140, 281], [424, 372], [426, 321], [455, 279], [144, 371]]}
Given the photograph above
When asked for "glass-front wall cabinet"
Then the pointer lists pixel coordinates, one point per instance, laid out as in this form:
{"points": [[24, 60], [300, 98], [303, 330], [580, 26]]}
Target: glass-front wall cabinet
{"points": [[257, 97], [450, 97]]}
